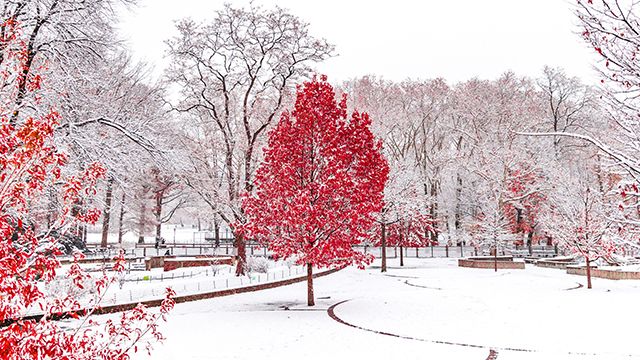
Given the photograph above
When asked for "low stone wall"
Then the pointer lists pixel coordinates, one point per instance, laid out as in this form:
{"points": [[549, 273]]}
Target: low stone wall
{"points": [[491, 258], [552, 264], [489, 264], [98, 260], [177, 263], [605, 274], [155, 262]]}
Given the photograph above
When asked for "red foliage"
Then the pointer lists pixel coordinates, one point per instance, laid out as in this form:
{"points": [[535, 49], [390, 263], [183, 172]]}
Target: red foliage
{"points": [[28, 259], [521, 187], [321, 182], [411, 231]]}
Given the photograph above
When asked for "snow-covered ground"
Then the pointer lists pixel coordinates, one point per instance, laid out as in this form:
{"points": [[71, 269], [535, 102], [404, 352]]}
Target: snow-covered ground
{"points": [[189, 281], [149, 285], [538, 313]]}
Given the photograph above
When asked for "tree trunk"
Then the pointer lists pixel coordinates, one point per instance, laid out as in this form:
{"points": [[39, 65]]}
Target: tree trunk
{"points": [[158, 215], [106, 217], [434, 206], [458, 213], [121, 219], [242, 254], [383, 244], [401, 257], [53, 207], [216, 232], [588, 273], [310, 298], [495, 257], [142, 219]]}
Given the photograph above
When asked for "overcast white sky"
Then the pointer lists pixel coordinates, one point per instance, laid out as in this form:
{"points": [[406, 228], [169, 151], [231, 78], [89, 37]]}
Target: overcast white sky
{"points": [[453, 39]]}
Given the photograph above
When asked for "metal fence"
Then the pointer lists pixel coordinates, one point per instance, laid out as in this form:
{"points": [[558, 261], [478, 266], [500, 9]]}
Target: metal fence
{"points": [[421, 252], [255, 250], [208, 281]]}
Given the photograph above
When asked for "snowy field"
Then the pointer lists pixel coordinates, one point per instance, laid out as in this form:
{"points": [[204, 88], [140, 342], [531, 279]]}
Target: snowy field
{"points": [[150, 285], [436, 308]]}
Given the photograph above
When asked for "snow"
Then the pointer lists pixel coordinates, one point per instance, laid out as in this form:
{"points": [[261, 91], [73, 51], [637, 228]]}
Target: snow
{"points": [[152, 284], [625, 268], [193, 258], [429, 300]]}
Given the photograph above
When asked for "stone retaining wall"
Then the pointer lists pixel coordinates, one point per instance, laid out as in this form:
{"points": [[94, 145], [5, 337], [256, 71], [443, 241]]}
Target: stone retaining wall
{"points": [[491, 258], [177, 263], [552, 264], [155, 262], [99, 260], [489, 264], [606, 274]]}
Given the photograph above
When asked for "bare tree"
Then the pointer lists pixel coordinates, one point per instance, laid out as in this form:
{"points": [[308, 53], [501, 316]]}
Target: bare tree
{"points": [[234, 74]]}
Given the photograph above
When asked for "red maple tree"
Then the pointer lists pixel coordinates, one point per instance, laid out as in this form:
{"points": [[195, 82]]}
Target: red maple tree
{"points": [[30, 163], [321, 182], [414, 230]]}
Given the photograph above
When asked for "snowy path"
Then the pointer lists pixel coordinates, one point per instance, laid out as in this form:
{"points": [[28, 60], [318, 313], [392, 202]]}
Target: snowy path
{"points": [[433, 301]]}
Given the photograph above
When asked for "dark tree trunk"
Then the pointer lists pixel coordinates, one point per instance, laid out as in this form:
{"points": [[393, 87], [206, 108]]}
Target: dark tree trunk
{"points": [[242, 254], [106, 217], [458, 213], [53, 208], [401, 257], [121, 219], [383, 245], [158, 215], [310, 298], [495, 257], [434, 207], [26, 69], [141, 225], [216, 232], [588, 273]]}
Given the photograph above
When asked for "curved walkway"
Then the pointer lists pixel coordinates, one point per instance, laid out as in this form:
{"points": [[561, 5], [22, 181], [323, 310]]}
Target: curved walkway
{"points": [[422, 286], [493, 349], [575, 287], [332, 315]]}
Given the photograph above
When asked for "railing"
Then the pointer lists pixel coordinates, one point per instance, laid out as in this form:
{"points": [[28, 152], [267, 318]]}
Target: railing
{"points": [[195, 249], [220, 280], [257, 250], [421, 252]]}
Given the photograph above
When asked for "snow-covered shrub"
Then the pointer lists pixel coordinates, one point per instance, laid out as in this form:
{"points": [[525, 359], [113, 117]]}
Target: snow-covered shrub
{"points": [[62, 286], [215, 269], [290, 262], [257, 264]]}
